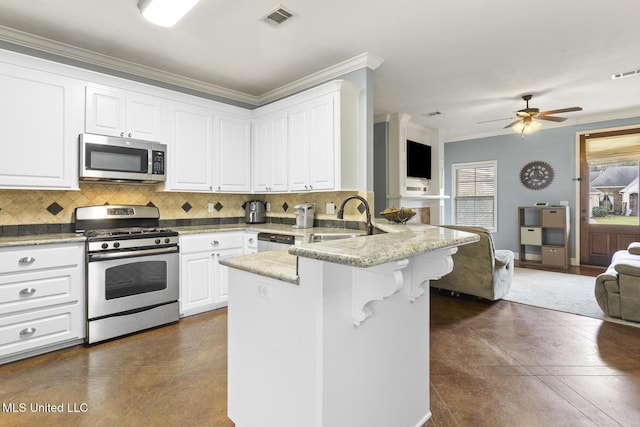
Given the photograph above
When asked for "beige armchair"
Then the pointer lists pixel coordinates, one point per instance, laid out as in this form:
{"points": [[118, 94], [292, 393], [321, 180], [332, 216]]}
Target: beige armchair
{"points": [[617, 290], [479, 269]]}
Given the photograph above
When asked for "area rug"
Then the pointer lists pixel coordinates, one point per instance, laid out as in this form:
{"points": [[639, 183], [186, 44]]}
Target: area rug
{"points": [[570, 293]]}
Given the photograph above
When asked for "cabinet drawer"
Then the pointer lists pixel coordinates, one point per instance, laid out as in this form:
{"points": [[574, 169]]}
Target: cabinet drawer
{"points": [[40, 256], [39, 289], [554, 218], [530, 236], [210, 241], [554, 256], [251, 241], [36, 329]]}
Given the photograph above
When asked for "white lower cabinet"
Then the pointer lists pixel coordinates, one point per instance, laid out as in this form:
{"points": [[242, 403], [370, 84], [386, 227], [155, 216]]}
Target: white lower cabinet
{"points": [[42, 297], [203, 281]]}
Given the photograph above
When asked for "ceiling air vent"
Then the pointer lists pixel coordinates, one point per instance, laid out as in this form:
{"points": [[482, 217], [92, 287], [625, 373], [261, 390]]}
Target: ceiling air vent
{"points": [[433, 113], [278, 16], [625, 74]]}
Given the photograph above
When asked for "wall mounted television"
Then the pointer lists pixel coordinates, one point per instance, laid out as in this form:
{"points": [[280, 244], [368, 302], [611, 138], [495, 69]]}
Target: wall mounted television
{"points": [[418, 160]]}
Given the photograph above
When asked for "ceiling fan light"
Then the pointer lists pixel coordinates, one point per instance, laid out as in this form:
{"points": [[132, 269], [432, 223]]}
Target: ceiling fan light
{"points": [[165, 13], [526, 126]]}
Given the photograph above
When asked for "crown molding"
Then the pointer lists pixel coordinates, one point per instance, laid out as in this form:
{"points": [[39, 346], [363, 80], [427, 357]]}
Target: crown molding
{"points": [[364, 60], [69, 52]]}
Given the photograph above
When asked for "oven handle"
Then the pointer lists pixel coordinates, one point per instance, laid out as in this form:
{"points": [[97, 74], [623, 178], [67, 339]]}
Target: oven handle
{"points": [[129, 254]]}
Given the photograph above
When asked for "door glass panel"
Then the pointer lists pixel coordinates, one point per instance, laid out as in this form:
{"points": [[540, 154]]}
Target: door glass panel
{"points": [[613, 193], [135, 278]]}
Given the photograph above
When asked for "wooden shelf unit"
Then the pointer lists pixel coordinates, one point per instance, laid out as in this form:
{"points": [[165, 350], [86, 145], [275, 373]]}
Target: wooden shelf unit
{"points": [[544, 235]]}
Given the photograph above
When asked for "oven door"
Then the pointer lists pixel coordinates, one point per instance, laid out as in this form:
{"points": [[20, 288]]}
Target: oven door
{"points": [[117, 284]]}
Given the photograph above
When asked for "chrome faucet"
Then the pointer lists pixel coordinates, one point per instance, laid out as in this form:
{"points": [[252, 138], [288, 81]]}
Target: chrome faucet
{"points": [[366, 206]]}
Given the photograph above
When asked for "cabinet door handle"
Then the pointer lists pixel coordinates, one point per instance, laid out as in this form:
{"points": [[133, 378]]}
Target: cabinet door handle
{"points": [[28, 260], [215, 243], [121, 134], [28, 291], [28, 331]]}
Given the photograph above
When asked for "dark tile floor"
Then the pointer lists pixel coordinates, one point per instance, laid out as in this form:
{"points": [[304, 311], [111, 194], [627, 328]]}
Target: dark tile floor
{"points": [[492, 364]]}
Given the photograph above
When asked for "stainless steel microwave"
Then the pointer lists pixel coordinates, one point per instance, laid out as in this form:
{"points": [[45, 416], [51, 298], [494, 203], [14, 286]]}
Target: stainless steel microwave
{"points": [[107, 158]]}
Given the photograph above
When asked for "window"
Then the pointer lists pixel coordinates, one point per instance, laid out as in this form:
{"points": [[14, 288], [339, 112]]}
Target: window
{"points": [[475, 195]]}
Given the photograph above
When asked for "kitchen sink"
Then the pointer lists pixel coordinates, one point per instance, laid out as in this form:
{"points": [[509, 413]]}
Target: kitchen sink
{"points": [[325, 237]]}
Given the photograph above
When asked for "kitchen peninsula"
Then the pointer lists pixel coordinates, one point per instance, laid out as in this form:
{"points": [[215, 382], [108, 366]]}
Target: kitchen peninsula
{"points": [[336, 333]]}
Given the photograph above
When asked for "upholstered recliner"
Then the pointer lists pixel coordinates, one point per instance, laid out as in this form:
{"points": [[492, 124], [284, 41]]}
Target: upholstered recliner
{"points": [[478, 269], [617, 290]]}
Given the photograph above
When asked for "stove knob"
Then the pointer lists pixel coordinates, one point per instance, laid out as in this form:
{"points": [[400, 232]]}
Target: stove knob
{"points": [[167, 240], [105, 245], [157, 241], [116, 245]]}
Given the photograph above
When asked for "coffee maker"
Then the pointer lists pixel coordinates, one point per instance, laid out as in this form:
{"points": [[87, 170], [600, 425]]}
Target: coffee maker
{"points": [[304, 215], [254, 212]]}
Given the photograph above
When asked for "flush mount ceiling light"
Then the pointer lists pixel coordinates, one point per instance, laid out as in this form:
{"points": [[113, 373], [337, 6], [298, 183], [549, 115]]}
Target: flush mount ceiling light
{"points": [[165, 13]]}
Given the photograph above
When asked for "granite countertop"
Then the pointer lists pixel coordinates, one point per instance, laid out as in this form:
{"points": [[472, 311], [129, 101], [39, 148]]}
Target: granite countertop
{"points": [[280, 265], [50, 238], [40, 239], [395, 243], [302, 233], [398, 242]]}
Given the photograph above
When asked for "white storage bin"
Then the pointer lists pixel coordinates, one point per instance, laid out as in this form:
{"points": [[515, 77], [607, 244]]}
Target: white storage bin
{"points": [[530, 236]]}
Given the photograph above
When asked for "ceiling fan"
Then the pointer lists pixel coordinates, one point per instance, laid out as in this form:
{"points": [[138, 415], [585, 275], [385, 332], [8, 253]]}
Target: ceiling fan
{"points": [[526, 116]]}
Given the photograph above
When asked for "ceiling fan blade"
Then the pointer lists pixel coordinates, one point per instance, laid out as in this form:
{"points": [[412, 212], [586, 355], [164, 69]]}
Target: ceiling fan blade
{"points": [[552, 118], [511, 124], [562, 110], [495, 120]]}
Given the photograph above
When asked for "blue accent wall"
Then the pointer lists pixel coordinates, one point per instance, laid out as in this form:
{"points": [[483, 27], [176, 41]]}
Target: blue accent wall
{"points": [[554, 146]]}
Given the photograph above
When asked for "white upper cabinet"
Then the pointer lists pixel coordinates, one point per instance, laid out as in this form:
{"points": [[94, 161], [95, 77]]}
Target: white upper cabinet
{"points": [[312, 144], [232, 158], [190, 148], [323, 139], [208, 151], [269, 153], [116, 112], [40, 118], [309, 141]]}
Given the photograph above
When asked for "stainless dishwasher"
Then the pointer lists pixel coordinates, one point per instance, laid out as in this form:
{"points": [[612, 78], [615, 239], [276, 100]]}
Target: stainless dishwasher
{"points": [[274, 241]]}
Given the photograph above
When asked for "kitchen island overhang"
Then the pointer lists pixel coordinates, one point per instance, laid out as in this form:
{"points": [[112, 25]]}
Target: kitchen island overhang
{"points": [[345, 345]]}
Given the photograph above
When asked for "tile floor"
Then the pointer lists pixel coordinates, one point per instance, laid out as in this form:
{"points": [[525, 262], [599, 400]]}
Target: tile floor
{"points": [[492, 364]]}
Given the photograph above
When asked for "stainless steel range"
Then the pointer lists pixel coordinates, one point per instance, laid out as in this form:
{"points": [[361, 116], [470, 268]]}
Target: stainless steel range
{"points": [[132, 270]]}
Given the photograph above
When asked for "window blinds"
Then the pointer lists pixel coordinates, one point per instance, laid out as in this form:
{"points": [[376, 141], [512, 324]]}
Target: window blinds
{"points": [[475, 195], [614, 149]]}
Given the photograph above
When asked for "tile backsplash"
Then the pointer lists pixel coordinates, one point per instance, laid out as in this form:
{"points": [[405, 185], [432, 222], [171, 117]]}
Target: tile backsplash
{"points": [[36, 211]]}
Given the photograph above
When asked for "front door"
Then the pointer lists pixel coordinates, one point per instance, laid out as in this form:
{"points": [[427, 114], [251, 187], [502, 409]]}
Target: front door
{"points": [[609, 165]]}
